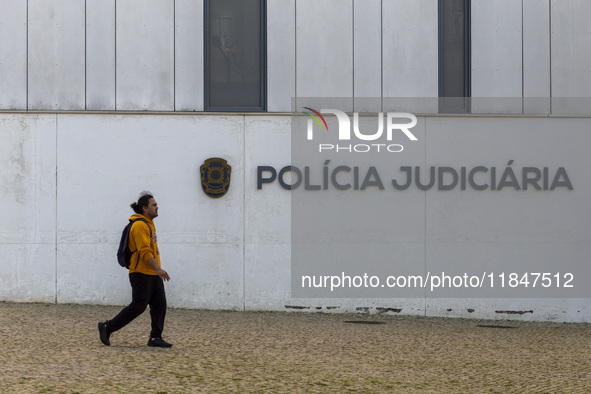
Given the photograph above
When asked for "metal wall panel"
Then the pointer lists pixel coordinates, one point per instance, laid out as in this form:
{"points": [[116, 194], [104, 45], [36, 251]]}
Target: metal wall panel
{"points": [[324, 49], [367, 55], [571, 56], [56, 55], [410, 50], [497, 56], [281, 54], [536, 56], [188, 67], [13, 54], [100, 55], [145, 55]]}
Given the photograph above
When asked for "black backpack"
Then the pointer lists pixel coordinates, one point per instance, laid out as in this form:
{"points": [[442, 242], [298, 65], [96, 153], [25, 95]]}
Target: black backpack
{"points": [[123, 253]]}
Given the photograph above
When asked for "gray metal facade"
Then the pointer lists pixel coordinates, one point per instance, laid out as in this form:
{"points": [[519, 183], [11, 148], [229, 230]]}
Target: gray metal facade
{"points": [[107, 55]]}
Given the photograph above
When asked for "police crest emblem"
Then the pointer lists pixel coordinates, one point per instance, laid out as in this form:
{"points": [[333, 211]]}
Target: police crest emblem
{"points": [[215, 177]]}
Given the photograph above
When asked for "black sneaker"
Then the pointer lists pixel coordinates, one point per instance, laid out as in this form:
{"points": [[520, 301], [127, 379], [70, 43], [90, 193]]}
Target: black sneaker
{"points": [[104, 334], [158, 342]]}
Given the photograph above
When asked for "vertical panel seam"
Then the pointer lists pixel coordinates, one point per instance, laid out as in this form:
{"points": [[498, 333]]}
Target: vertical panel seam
{"points": [[550, 51], [425, 223], [56, 209], [85, 55], [115, 51], [27, 59], [522, 58], [174, 55], [295, 51], [244, 213]]}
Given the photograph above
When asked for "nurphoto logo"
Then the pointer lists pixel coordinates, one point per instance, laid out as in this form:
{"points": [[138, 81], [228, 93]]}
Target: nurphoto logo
{"points": [[344, 131]]}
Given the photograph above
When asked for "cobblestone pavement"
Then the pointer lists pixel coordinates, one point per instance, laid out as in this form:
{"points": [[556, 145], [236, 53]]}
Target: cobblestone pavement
{"points": [[55, 348]]}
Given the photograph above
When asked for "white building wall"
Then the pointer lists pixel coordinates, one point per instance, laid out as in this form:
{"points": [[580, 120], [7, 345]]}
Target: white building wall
{"points": [[571, 56], [497, 65], [536, 57], [324, 50], [145, 55], [100, 55], [410, 55], [267, 219], [200, 238], [188, 52], [281, 55], [127, 55], [28, 198], [13, 54], [367, 55], [56, 55], [68, 187], [67, 180]]}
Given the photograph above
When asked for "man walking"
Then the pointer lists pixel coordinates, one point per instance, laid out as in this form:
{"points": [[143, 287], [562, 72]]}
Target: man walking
{"points": [[145, 274]]}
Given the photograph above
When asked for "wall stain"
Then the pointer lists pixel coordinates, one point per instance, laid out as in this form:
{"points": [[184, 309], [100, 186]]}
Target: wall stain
{"points": [[515, 312]]}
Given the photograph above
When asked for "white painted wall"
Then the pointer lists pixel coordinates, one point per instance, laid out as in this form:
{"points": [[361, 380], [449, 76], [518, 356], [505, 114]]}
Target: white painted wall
{"points": [[28, 198], [148, 56], [56, 55], [410, 55], [497, 63], [145, 55], [100, 55], [324, 63], [13, 51], [570, 57], [68, 179], [188, 61]]}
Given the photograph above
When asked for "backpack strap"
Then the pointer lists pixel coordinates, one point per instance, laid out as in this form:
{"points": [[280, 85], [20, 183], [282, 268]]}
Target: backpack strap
{"points": [[149, 228]]}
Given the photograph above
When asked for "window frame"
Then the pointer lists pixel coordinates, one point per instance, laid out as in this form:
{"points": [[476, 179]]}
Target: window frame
{"points": [[263, 63]]}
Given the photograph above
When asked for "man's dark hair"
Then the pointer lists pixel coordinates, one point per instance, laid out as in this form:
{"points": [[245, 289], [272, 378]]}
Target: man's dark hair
{"points": [[143, 201]]}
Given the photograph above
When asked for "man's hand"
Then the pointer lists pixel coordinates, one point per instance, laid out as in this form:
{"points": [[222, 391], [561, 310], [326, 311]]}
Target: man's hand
{"points": [[159, 271], [163, 274]]}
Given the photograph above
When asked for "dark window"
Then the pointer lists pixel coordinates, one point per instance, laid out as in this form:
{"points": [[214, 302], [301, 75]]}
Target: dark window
{"points": [[454, 55], [235, 43]]}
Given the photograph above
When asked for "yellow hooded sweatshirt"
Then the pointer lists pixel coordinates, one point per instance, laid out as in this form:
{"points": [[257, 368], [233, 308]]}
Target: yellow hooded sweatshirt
{"points": [[143, 246]]}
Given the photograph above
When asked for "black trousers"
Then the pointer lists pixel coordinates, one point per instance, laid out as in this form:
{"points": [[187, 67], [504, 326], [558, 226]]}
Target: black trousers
{"points": [[146, 290]]}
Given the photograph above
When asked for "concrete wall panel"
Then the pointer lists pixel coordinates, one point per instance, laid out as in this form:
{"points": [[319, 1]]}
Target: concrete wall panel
{"points": [[145, 55], [100, 55], [281, 54], [267, 216], [13, 54], [234, 252], [206, 275], [28, 159], [571, 56], [29, 272], [161, 154], [512, 229], [367, 50], [188, 68], [536, 57], [324, 51], [497, 61], [56, 55], [27, 196], [410, 63]]}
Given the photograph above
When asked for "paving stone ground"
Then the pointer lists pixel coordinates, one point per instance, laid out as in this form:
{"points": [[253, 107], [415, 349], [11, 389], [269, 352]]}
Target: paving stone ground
{"points": [[55, 348]]}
